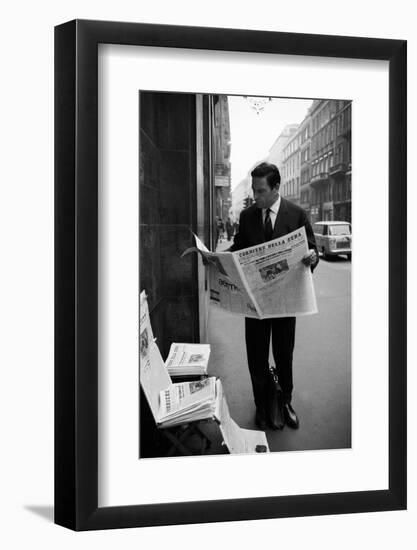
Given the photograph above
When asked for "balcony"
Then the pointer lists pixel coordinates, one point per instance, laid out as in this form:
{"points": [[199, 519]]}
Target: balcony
{"points": [[323, 177], [339, 168]]}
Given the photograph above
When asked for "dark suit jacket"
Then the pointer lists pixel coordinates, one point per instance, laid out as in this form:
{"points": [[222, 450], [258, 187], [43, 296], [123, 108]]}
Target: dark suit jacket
{"points": [[290, 217]]}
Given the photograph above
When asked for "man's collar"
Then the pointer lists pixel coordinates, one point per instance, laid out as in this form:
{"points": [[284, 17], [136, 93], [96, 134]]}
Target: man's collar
{"points": [[275, 207]]}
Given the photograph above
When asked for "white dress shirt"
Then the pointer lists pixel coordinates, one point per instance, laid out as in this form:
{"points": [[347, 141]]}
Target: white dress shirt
{"points": [[273, 211]]}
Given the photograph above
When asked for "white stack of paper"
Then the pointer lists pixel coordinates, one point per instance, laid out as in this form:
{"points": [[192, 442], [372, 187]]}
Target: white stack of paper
{"points": [[187, 402], [188, 359], [171, 404], [176, 404]]}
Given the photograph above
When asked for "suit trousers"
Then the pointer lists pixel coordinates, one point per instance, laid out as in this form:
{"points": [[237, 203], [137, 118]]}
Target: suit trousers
{"points": [[258, 336]]}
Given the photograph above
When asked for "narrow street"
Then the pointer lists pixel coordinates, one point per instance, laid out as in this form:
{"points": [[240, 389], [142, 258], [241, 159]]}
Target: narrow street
{"points": [[322, 365]]}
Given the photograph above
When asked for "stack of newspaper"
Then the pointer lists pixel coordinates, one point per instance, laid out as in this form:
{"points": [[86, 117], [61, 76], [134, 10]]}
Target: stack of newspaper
{"points": [[171, 404], [176, 404], [187, 401], [188, 359]]}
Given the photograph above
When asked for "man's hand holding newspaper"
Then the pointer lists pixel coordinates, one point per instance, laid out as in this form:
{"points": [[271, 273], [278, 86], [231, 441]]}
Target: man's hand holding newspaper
{"points": [[310, 258], [263, 281]]}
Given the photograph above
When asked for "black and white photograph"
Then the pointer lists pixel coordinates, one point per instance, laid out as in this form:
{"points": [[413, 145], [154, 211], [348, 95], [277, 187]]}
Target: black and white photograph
{"points": [[210, 203], [260, 189], [208, 296]]}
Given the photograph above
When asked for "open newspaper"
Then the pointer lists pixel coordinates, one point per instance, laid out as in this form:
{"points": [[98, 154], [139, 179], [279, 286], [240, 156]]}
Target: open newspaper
{"points": [[188, 359], [263, 281], [175, 404]]}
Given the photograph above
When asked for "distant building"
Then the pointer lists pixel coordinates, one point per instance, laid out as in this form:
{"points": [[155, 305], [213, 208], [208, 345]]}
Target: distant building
{"points": [[221, 156], [330, 180], [305, 162], [341, 171], [315, 162], [241, 195], [276, 152], [291, 164]]}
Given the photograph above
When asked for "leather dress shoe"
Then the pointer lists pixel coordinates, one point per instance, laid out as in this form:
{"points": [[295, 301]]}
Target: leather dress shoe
{"points": [[260, 419], [291, 419]]}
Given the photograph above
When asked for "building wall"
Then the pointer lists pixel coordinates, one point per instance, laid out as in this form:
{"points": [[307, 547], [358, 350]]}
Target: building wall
{"points": [[221, 155], [305, 163], [316, 161], [331, 160], [168, 190], [291, 168], [242, 194], [239, 194], [167, 212], [276, 152]]}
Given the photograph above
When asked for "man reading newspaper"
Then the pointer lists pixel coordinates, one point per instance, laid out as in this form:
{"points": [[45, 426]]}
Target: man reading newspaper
{"points": [[271, 216]]}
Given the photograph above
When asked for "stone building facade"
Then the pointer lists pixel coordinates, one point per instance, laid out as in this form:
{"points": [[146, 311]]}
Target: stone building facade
{"points": [[221, 156], [317, 162], [291, 168], [331, 160]]}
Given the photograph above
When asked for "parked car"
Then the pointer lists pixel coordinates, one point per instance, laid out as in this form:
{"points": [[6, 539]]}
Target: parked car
{"points": [[333, 238]]}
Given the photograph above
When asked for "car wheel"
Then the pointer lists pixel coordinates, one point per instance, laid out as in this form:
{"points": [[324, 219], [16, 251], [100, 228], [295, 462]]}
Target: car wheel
{"points": [[323, 252]]}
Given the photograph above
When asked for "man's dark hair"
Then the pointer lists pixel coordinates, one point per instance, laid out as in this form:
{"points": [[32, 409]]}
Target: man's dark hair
{"points": [[268, 171]]}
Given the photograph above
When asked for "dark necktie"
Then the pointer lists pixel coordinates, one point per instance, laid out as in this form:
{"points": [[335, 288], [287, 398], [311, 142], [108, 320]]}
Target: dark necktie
{"points": [[268, 226]]}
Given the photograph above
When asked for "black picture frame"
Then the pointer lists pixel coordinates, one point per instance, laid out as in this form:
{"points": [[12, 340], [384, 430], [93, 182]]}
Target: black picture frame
{"points": [[76, 271]]}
